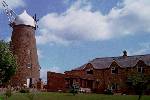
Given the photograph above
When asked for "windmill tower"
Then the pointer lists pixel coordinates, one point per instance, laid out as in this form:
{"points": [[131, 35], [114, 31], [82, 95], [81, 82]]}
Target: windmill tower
{"points": [[23, 44]]}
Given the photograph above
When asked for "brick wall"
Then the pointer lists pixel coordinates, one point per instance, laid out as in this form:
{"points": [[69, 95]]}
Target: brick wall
{"points": [[100, 79], [55, 82], [103, 78]]}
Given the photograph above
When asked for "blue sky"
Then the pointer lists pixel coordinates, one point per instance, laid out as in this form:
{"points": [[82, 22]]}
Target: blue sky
{"points": [[72, 32]]}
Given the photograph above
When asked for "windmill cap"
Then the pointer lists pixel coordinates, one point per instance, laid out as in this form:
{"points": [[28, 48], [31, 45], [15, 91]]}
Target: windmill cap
{"points": [[24, 19]]}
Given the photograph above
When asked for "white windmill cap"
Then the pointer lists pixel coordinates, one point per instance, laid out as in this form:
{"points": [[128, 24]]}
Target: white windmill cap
{"points": [[24, 19]]}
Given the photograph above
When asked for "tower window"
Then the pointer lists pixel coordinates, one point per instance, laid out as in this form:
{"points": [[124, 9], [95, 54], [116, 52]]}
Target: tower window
{"points": [[114, 70], [29, 65]]}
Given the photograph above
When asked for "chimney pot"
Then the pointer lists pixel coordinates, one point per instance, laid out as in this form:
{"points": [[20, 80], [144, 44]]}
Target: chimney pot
{"points": [[124, 53]]}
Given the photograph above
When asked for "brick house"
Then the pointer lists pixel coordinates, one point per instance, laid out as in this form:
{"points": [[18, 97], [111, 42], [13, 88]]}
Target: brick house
{"points": [[108, 72]]}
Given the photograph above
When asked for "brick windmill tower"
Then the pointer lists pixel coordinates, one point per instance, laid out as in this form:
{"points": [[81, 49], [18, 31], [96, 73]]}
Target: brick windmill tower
{"points": [[23, 44]]}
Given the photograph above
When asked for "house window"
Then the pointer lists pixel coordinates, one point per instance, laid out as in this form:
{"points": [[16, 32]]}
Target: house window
{"points": [[114, 70], [140, 69], [90, 71]]}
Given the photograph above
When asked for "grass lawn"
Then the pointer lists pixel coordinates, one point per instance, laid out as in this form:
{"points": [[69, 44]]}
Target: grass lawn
{"points": [[67, 96]]}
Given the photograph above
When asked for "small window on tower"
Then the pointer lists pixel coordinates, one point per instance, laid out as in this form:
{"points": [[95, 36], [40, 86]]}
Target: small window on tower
{"points": [[29, 65]]}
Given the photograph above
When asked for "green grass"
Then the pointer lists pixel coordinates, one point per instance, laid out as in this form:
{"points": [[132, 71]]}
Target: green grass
{"points": [[67, 96]]}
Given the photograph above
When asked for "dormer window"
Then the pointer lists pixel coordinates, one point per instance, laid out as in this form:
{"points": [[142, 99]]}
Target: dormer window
{"points": [[89, 71], [114, 70], [140, 69]]}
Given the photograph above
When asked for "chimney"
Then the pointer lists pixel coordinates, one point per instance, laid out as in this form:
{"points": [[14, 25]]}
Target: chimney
{"points": [[124, 53]]}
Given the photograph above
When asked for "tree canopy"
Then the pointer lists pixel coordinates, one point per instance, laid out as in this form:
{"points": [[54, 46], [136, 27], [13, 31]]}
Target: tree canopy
{"points": [[8, 63], [139, 83]]}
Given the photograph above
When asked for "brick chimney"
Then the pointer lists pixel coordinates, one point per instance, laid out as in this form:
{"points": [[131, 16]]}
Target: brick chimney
{"points": [[125, 53]]}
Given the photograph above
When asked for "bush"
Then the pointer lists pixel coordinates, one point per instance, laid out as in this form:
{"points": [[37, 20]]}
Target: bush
{"points": [[74, 88], [109, 92], [24, 91], [8, 93]]}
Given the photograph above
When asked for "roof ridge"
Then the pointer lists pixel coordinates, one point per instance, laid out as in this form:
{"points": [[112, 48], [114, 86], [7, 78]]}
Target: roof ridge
{"points": [[122, 56]]}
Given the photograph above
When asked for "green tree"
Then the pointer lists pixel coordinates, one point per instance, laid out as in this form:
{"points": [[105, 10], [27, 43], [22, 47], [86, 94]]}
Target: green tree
{"points": [[8, 63], [139, 83]]}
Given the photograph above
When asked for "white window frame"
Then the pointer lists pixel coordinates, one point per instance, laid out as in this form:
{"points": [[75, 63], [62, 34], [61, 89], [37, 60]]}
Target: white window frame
{"points": [[90, 69], [28, 82], [141, 69], [113, 68]]}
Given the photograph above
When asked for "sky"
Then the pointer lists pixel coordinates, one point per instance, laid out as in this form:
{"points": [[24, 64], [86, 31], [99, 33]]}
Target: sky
{"points": [[73, 32]]}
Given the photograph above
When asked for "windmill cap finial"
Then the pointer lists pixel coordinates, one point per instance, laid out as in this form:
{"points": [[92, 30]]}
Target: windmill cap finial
{"points": [[24, 11]]}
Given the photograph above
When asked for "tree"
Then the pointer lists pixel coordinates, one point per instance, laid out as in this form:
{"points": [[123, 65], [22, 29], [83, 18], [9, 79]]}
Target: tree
{"points": [[8, 63], [139, 83]]}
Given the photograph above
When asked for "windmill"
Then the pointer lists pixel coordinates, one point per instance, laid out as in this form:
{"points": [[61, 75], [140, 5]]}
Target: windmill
{"points": [[23, 43], [11, 15]]}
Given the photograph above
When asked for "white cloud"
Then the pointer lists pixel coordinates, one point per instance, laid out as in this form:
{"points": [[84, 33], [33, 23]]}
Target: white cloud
{"points": [[131, 19], [7, 39], [55, 69], [43, 74], [13, 3], [50, 38], [80, 23], [40, 53]]}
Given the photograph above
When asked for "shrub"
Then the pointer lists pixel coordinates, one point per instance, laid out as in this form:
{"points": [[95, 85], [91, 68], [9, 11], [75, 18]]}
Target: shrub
{"points": [[109, 92], [8, 93], [24, 91], [74, 88]]}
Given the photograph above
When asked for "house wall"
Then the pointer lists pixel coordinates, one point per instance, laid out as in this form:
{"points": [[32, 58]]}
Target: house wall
{"points": [[118, 78], [55, 82]]}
